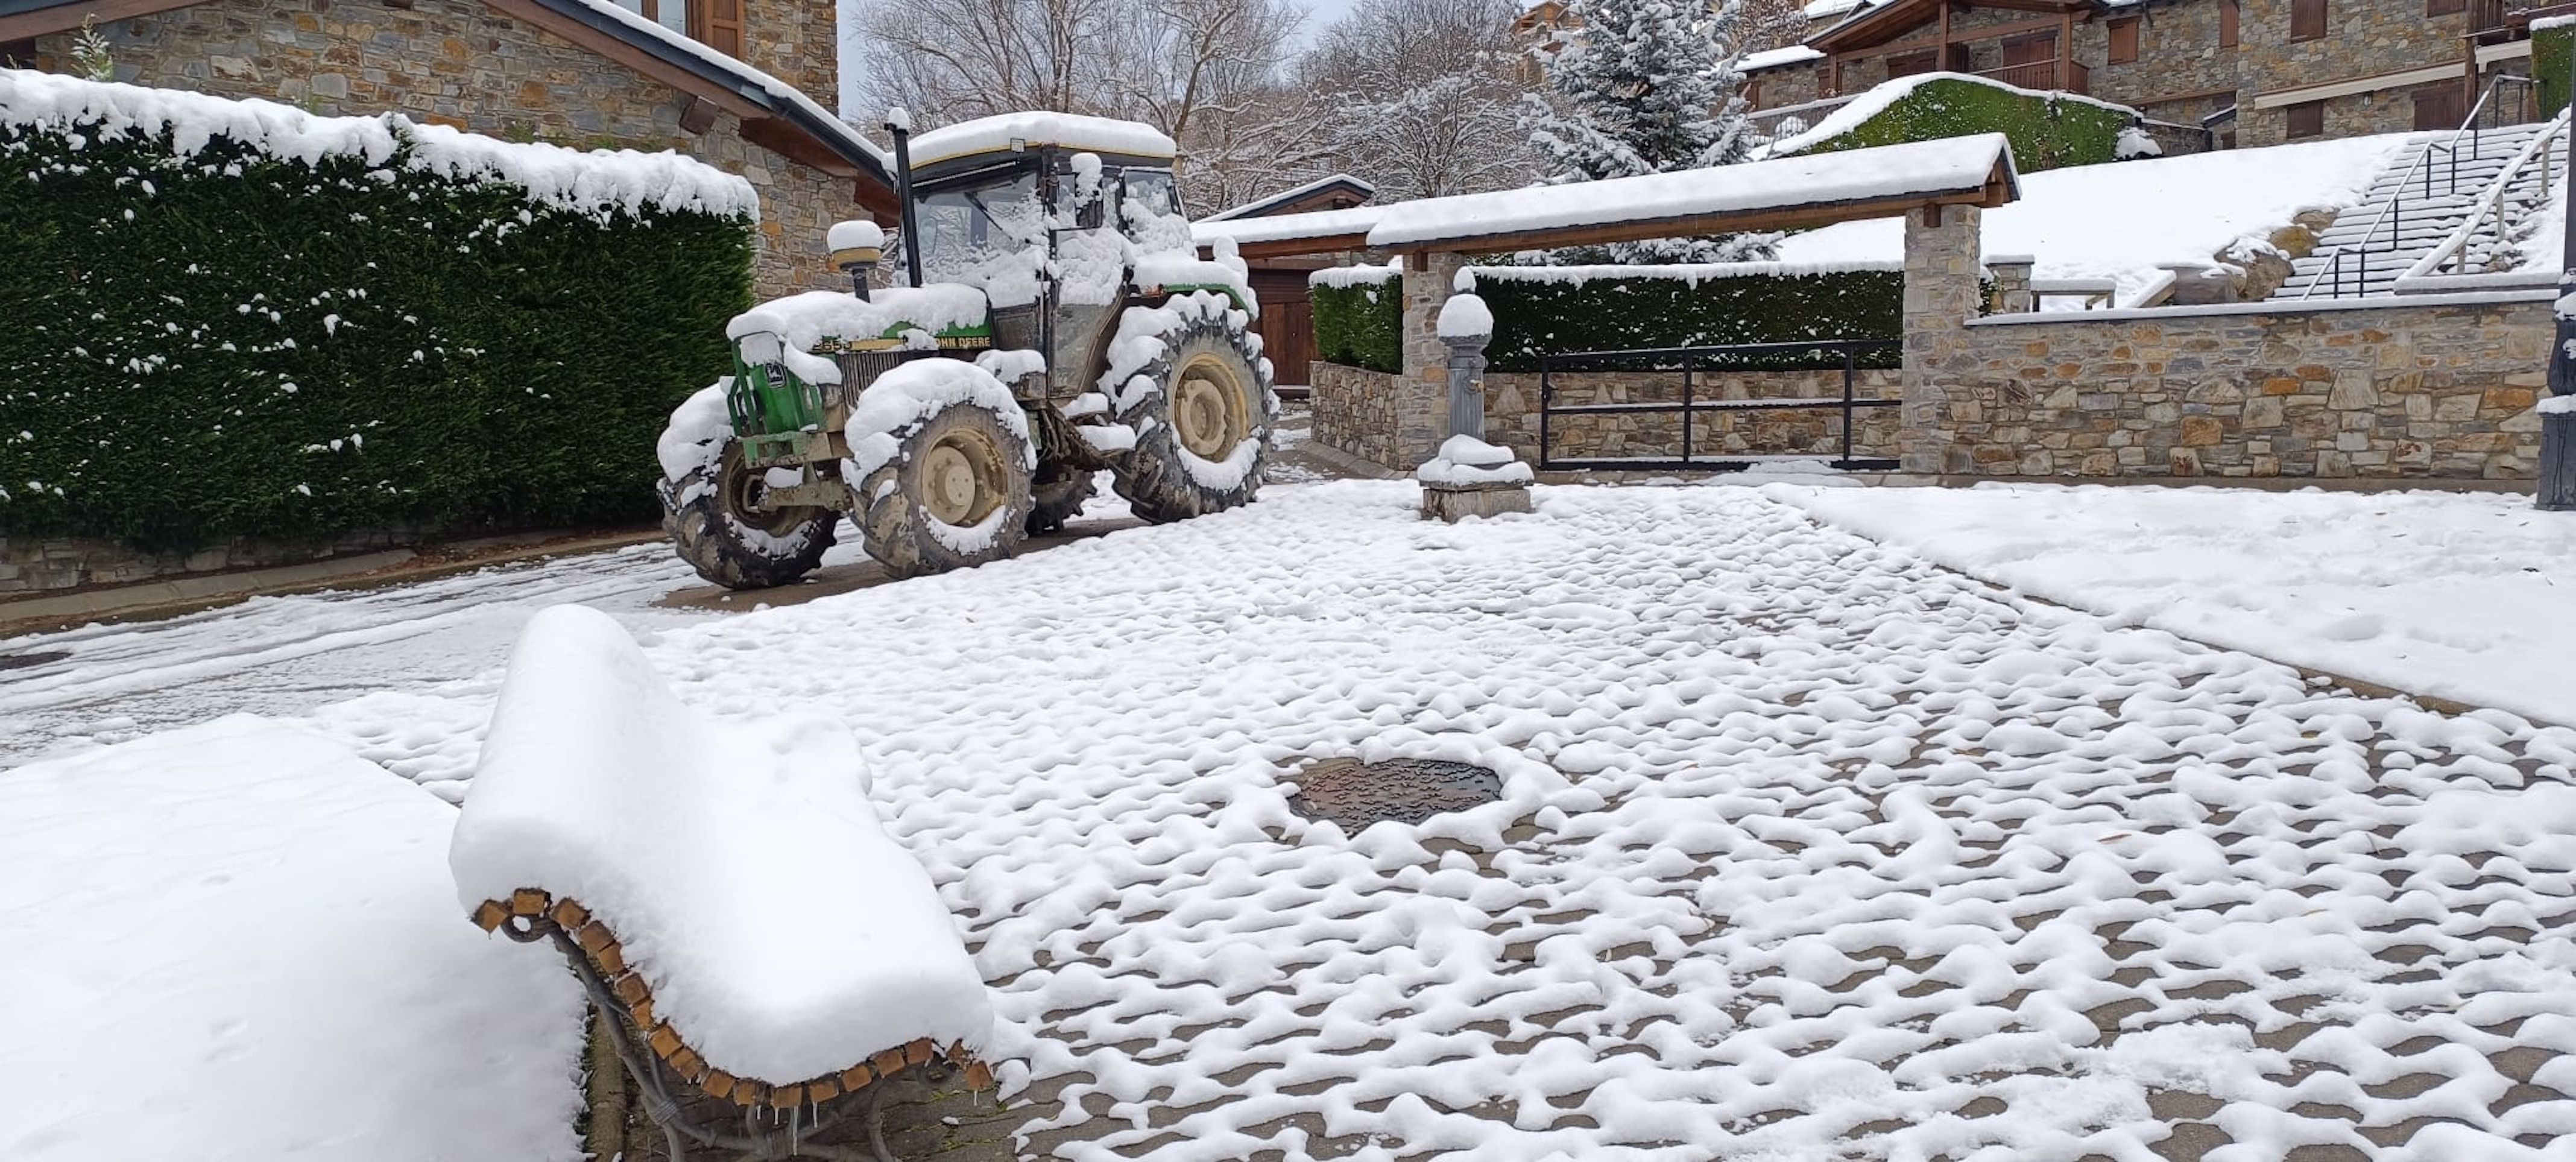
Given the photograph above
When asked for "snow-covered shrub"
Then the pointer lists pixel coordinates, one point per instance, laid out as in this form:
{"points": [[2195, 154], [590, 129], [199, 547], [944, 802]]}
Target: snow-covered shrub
{"points": [[1557, 310], [2047, 130], [1359, 317], [233, 318]]}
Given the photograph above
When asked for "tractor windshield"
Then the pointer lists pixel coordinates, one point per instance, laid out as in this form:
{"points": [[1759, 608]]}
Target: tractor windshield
{"points": [[1149, 210], [989, 235]]}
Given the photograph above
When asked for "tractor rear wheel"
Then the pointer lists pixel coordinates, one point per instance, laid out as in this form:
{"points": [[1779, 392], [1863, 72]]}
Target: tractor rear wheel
{"points": [[955, 494], [1203, 427], [719, 528]]}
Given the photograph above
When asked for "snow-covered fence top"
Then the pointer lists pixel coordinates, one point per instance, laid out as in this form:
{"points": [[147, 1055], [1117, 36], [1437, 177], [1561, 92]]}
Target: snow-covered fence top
{"points": [[763, 914], [1692, 274], [593, 181]]}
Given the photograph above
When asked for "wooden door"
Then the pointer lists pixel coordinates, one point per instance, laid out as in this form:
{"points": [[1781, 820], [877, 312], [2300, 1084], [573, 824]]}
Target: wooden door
{"points": [[1287, 324]]}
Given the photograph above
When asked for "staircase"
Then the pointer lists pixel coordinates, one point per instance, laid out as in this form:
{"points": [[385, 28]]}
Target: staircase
{"points": [[2425, 195]]}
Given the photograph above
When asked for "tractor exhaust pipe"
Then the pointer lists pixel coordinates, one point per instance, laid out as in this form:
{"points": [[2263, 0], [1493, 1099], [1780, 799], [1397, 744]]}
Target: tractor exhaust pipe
{"points": [[898, 123]]}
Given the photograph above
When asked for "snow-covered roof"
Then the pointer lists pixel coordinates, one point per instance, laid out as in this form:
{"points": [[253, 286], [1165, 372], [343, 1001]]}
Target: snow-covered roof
{"points": [[1923, 169], [1291, 194], [1796, 54], [1823, 9], [591, 181], [1279, 227], [1066, 130]]}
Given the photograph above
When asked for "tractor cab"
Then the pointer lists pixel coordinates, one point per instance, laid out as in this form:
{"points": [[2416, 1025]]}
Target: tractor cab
{"points": [[1045, 214]]}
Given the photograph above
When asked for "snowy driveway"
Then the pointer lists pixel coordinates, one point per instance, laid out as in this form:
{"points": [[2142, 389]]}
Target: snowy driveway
{"points": [[1807, 849]]}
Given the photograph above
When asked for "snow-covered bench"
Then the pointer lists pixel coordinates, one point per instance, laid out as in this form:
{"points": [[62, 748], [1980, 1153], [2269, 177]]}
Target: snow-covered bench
{"points": [[768, 957]]}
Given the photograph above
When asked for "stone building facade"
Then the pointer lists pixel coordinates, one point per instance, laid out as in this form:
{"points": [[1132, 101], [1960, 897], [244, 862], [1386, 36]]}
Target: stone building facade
{"points": [[478, 67], [2442, 386], [2290, 69]]}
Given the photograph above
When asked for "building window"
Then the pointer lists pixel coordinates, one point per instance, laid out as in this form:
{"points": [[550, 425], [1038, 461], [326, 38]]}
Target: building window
{"points": [[2124, 41], [2307, 119], [2445, 7], [2441, 106], [716, 24], [2227, 23], [2307, 19]]}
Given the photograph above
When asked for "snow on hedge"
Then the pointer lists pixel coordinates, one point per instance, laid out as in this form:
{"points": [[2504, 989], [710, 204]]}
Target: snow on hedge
{"points": [[1345, 277], [783, 933], [1921, 168], [1878, 97], [235, 941], [2120, 221], [1065, 130], [593, 181], [1691, 273]]}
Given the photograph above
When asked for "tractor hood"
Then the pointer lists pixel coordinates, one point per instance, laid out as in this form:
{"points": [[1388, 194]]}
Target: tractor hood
{"points": [[807, 323]]}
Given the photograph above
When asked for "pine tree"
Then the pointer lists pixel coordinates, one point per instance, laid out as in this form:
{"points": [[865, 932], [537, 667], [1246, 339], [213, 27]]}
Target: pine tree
{"points": [[1649, 86]]}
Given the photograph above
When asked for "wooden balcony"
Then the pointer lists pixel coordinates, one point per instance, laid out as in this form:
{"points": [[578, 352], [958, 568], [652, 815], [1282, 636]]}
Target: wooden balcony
{"points": [[2055, 73]]}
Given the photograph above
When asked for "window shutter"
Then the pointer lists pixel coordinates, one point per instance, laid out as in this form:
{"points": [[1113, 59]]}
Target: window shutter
{"points": [[2445, 7], [2307, 19], [2227, 23], [2124, 41], [2307, 119], [724, 27]]}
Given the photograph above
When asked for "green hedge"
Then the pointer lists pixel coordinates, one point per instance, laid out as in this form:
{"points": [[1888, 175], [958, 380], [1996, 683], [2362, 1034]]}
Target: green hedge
{"points": [[1360, 324], [2553, 59], [1612, 312], [229, 344], [2047, 131]]}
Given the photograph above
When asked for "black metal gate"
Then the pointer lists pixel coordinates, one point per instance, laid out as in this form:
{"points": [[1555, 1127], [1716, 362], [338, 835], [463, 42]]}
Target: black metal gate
{"points": [[1689, 363]]}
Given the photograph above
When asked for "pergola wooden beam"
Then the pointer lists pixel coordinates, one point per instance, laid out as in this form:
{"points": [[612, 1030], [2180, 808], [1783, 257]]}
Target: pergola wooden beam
{"points": [[1293, 247], [1692, 226]]}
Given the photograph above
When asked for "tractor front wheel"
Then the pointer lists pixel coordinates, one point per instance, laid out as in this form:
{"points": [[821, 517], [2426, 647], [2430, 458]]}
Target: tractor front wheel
{"points": [[716, 521], [955, 494], [1202, 414]]}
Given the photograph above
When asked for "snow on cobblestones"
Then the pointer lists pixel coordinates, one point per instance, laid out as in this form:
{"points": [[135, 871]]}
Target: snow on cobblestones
{"points": [[1805, 848]]}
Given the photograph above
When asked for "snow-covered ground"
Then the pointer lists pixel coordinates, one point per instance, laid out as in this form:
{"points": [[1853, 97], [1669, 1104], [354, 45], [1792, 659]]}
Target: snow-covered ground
{"points": [[237, 941], [2119, 221], [2465, 596], [1807, 848]]}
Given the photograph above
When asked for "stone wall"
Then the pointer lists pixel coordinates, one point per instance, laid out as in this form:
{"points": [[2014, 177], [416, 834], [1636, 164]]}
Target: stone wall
{"points": [[2181, 72], [2441, 387], [1512, 415], [32, 566], [1389, 420], [2362, 40], [458, 63]]}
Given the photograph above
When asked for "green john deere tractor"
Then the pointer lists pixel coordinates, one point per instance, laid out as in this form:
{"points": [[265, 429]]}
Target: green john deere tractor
{"points": [[1057, 323]]}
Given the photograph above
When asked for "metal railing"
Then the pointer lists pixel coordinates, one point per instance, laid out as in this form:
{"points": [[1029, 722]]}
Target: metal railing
{"points": [[2542, 151], [1690, 362], [2393, 214]]}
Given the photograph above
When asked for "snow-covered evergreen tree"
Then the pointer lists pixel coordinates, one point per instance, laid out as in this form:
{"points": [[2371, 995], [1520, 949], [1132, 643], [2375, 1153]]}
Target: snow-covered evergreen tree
{"points": [[1649, 86]]}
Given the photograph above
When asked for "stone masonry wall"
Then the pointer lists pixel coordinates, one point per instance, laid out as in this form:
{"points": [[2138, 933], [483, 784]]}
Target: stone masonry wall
{"points": [[1389, 420], [2363, 39], [2179, 62], [1512, 419], [455, 62], [2430, 391], [32, 566]]}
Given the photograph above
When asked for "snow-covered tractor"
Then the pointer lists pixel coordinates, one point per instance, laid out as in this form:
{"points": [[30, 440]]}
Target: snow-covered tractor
{"points": [[1057, 322]]}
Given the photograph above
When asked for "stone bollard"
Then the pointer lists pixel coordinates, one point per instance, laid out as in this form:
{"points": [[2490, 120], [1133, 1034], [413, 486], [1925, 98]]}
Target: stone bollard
{"points": [[1467, 476], [2558, 453], [2011, 294]]}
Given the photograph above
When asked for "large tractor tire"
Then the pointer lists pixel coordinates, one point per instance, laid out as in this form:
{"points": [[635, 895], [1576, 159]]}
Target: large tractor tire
{"points": [[1201, 411], [954, 494], [716, 524]]}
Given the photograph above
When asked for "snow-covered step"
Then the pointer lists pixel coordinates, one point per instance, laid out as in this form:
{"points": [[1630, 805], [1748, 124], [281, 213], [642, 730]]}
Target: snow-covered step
{"points": [[2415, 205]]}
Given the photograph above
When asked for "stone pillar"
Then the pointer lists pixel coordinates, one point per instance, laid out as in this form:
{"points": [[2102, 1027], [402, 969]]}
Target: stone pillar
{"points": [[1469, 477], [1941, 295], [1422, 405], [2011, 293]]}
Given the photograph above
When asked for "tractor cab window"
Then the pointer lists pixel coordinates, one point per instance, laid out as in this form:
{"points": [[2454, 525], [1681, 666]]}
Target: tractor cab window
{"points": [[988, 234], [1149, 208]]}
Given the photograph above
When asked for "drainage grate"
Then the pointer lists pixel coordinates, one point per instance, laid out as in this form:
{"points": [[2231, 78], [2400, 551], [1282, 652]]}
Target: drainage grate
{"points": [[1356, 794]]}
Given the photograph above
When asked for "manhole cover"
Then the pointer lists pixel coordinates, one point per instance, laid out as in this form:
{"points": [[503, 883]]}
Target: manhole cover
{"points": [[1356, 794]]}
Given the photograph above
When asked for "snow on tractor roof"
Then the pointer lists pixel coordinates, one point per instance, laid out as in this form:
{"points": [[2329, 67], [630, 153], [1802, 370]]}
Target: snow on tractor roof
{"points": [[1066, 130]]}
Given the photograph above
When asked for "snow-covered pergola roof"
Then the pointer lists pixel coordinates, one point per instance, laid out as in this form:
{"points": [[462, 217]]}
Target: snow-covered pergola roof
{"points": [[1780, 194]]}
